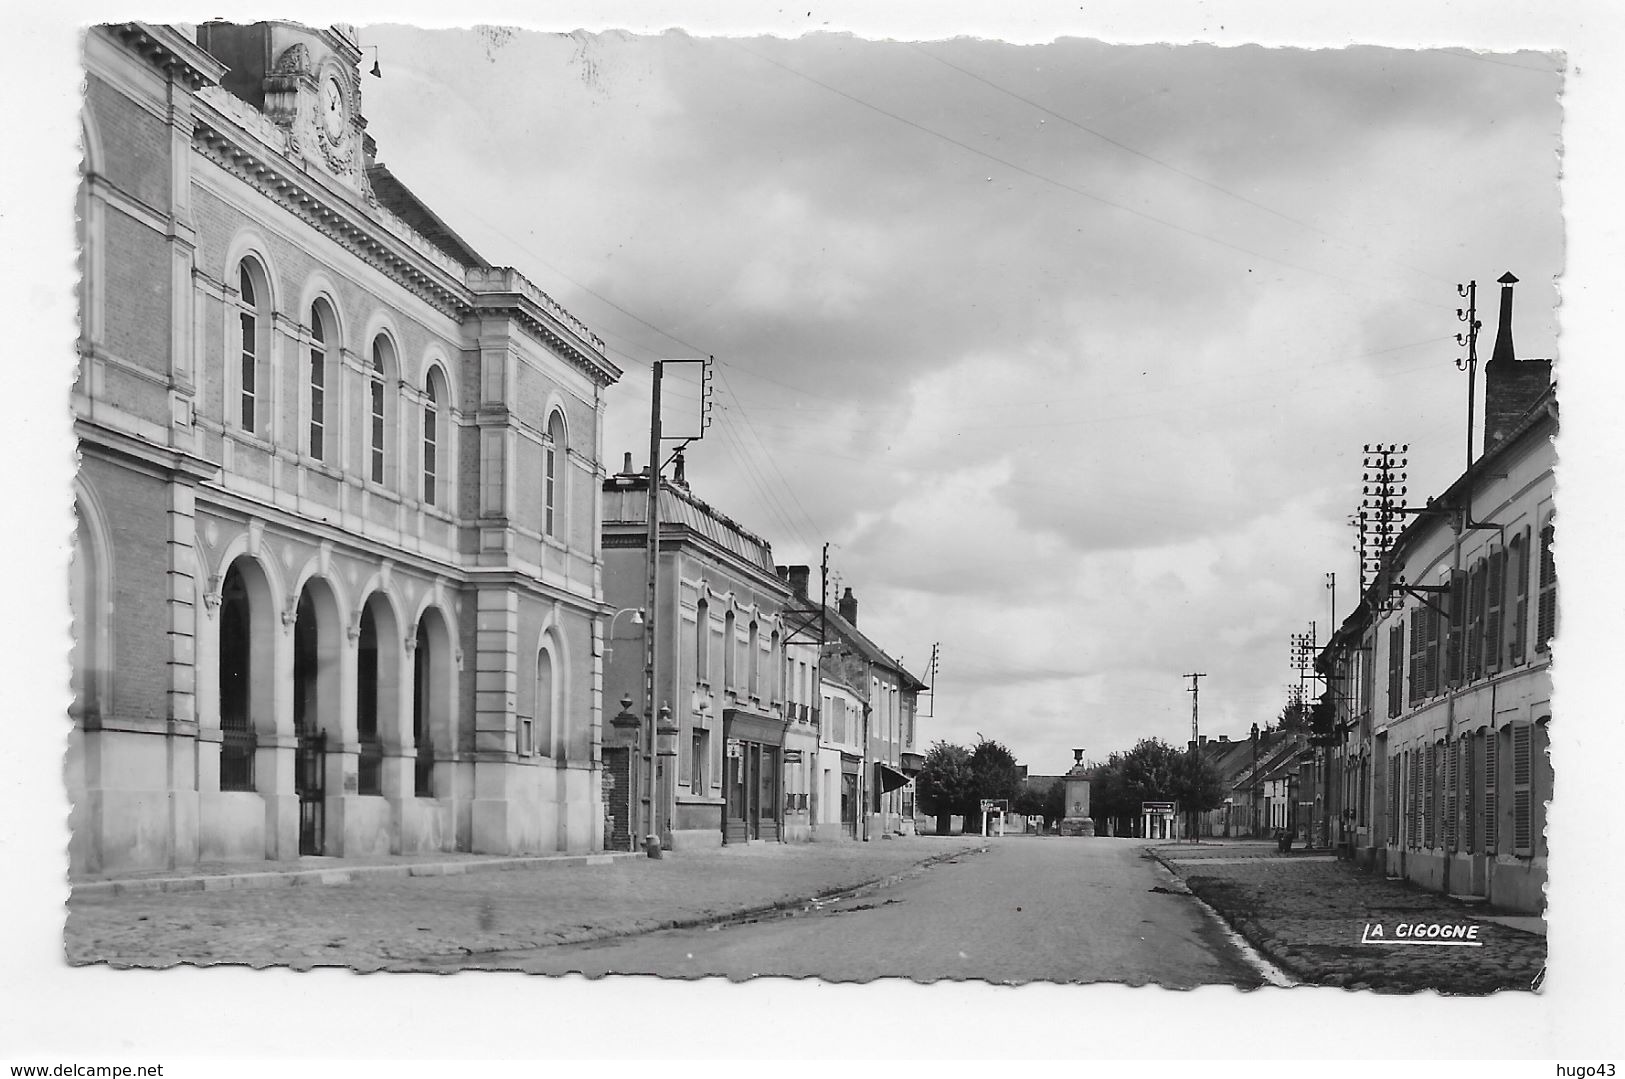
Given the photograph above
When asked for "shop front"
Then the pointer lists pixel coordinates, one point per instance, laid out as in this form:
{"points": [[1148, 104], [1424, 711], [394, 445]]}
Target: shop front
{"points": [[752, 782]]}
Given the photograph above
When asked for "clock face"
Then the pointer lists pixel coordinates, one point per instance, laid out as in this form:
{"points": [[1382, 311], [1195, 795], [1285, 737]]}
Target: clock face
{"points": [[334, 111]]}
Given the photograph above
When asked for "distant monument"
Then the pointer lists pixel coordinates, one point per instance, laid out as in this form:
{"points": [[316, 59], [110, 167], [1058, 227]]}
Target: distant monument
{"points": [[1077, 820]]}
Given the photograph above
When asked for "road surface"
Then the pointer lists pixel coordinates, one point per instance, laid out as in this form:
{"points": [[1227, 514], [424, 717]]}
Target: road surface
{"points": [[1029, 909]]}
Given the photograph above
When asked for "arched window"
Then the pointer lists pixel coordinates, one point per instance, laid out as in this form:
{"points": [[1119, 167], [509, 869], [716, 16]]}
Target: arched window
{"points": [[702, 642], [753, 660], [431, 438], [236, 685], [544, 703], [252, 322], [728, 650], [321, 330], [554, 451], [375, 409]]}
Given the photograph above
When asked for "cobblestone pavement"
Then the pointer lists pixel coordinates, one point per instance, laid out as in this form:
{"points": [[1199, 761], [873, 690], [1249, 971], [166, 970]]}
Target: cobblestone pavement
{"points": [[373, 923], [1307, 915]]}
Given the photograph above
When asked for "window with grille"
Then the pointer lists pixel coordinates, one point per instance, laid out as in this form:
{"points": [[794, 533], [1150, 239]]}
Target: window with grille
{"points": [[1523, 804], [1519, 572], [1492, 748], [1546, 604]]}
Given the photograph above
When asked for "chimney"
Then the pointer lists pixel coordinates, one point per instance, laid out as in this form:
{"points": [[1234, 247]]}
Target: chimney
{"points": [[1511, 386], [798, 577], [677, 476], [626, 465], [849, 607], [1224, 738], [1201, 740]]}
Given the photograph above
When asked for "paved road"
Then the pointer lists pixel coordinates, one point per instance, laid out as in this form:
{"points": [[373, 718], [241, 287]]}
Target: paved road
{"points": [[1030, 909]]}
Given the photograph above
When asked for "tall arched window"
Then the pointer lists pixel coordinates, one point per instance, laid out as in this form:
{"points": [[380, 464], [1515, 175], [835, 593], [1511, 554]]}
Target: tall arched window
{"points": [[544, 703], [375, 409], [431, 438], [702, 642], [554, 453], [728, 650], [753, 660], [252, 320], [316, 378]]}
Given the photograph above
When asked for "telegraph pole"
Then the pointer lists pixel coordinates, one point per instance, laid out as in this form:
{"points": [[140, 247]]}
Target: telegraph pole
{"points": [[651, 608], [1196, 759]]}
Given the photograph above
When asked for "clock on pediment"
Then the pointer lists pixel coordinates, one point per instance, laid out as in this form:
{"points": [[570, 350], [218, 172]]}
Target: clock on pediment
{"points": [[312, 92], [336, 129]]}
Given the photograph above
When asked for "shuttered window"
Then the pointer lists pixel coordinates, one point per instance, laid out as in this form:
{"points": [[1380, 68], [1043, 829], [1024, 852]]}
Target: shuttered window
{"points": [[1458, 624], [1430, 778], [1391, 827], [1417, 785], [1396, 668], [1492, 757], [1546, 610], [1523, 805], [1494, 603], [1450, 804], [1475, 622], [1418, 656], [1465, 804], [1519, 572], [1435, 623]]}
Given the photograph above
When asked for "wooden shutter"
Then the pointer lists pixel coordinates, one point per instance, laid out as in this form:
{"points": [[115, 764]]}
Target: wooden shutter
{"points": [[1430, 778], [1430, 650], [1418, 656], [1413, 803], [1465, 803], [1396, 672], [1492, 758], [1523, 806], [1392, 827], [1546, 611], [1520, 598], [1458, 613], [1475, 622], [1495, 600], [1450, 804]]}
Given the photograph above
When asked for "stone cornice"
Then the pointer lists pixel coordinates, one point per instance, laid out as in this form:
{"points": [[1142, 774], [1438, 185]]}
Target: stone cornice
{"points": [[504, 290], [168, 50], [248, 145]]}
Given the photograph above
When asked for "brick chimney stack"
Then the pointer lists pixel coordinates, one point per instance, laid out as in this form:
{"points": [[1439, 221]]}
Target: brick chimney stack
{"points": [[797, 577], [1511, 386], [849, 607]]}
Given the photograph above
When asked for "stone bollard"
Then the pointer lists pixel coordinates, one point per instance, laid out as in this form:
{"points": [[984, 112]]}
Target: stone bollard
{"points": [[651, 846]]}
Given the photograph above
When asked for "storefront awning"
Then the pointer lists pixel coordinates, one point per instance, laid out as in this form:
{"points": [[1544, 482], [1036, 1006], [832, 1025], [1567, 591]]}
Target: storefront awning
{"points": [[888, 777]]}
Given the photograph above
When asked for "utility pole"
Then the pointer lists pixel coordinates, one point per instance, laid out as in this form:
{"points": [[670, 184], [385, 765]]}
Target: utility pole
{"points": [[1469, 363], [651, 609], [1196, 758]]}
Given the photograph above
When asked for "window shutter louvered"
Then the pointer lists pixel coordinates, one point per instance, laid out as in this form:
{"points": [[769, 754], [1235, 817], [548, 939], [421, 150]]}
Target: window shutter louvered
{"points": [[1450, 763], [1494, 600], [1519, 571], [1458, 613], [1430, 650], [1396, 674], [1546, 610], [1522, 796], [1431, 778], [1475, 622], [1418, 655], [1391, 826], [1491, 759], [1469, 819]]}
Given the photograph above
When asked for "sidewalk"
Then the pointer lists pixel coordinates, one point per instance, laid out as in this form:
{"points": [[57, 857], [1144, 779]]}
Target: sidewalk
{"points": [[1315, 917], [388, 913]]}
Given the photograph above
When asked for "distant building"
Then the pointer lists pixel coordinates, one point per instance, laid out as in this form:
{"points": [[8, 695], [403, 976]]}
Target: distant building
{"points": [[1442, 677], [742, 740], [335, 577]]}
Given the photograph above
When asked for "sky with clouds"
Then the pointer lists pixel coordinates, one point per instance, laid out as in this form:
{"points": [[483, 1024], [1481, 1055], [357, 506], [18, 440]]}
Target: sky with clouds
{"points": [[1068, 351]]}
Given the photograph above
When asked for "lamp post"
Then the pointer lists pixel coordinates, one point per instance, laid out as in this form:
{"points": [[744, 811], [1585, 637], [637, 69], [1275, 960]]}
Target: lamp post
{"points": [[609, 633]]}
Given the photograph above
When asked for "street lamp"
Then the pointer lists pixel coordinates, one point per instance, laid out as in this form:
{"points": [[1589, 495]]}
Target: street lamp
{"points": [[609, 634]]}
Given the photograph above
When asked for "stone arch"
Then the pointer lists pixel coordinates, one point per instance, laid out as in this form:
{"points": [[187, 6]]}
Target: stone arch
{"points": [[91, 604], [318, 657], [551, 692], [434, 694], [244, 686], [380, 686], [249, 242]]}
